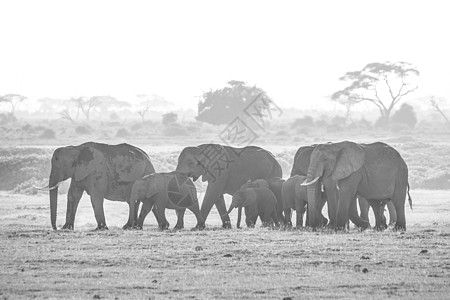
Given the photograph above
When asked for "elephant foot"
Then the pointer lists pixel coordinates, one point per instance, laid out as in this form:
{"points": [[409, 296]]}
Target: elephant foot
{"points": [[198, 227], [128, 226], [178, 227], [226, 225], [398, 227], [67, 227], [380, 228], [104, 227], [164, 227]]}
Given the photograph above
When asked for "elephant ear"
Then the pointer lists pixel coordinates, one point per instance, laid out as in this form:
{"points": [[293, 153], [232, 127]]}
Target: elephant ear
{"points": [[349, 159], [89, 160], [249, 197]]}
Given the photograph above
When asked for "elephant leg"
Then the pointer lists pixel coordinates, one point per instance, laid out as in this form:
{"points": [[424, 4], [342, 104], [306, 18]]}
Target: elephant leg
{"points": [[200, 221], [155, 213], [324, 221], [364, 208], [287, 217], [73, 198], [354, 217], [97, 205], [161, 212], [238, 223], [180, 218], [300, 210], [399, 204], [250, 217], [214, 195], [147, 205], [279, 213], [133, 206], [332, 196], [274, 217], [392, 213], [222, 209], [380, 221]]}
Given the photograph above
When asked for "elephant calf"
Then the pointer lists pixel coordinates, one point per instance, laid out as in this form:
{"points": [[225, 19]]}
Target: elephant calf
{"points": [[166, 190], [295, 197], [257, 202]]}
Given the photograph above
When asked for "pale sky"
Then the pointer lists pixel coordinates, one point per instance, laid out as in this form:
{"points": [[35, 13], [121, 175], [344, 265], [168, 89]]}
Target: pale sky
{"points": [[295, 50]]}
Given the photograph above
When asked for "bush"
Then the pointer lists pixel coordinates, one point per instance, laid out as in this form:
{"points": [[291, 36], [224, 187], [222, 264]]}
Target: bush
{"points": [[169, 118], [405, 115], [81, 129], [122, 133], [48, 134], [175, 129], [6, 118]]}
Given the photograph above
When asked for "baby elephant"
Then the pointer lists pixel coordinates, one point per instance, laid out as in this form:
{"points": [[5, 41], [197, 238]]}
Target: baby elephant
{"points": [[165, 190], [256, 202], [294, 196]]}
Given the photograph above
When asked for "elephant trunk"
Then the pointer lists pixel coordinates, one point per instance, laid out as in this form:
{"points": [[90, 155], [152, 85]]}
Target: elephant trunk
{"points": [[314, 172], [53, 200], [229, 210]]}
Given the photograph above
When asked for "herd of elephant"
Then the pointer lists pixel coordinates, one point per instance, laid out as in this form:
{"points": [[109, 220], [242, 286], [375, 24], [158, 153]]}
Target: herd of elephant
{"points": [[338, 174]]}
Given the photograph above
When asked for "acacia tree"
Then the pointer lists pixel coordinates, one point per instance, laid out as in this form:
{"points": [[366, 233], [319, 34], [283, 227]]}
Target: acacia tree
{"points": [[435, 104], [85, 105], [382, 84], [223, 105], [12, 100]]}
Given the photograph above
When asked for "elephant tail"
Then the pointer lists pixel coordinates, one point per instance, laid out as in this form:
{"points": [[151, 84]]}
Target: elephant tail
{"points": [[409, 197]]}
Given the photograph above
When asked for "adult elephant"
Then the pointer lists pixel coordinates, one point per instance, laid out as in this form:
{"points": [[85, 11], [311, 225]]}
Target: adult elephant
{"points": [[103, 171], [374, 171], [225, 169]]}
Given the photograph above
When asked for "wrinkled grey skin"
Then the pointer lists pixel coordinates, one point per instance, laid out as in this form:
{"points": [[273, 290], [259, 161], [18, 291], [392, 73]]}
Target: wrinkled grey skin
{"points": [[103, 171], [364, 208], [374, 171], [256, 202], [273, 184], [225, 169], [300, 167], [165, 190], [294, 196]]}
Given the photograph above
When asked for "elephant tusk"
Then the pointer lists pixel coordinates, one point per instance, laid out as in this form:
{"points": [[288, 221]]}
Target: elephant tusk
{"points": [[311, 182], [46, 188]]}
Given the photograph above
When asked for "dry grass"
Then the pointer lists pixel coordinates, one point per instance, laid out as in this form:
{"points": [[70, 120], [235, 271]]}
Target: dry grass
{"points": [[215, 263]]}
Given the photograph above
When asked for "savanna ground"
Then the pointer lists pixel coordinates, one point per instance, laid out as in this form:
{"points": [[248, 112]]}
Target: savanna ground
{"points": [[214, 263]]}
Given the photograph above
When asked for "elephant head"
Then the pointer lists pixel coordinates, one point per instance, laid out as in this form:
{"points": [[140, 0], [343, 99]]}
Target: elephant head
{"points": [[330, 162], [70, 162], [242, 198], [258, 183], [197, 161]]}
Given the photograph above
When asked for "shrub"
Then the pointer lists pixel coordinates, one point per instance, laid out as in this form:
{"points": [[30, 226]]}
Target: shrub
{"points": [[81, 129], [405, 115], [122, 133], [175, 129], [6, 118], [48, 134], [169, 118]]}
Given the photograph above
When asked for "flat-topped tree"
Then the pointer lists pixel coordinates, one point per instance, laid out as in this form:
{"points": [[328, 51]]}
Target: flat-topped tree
{"points": [[12, 100], [383, 84]]}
